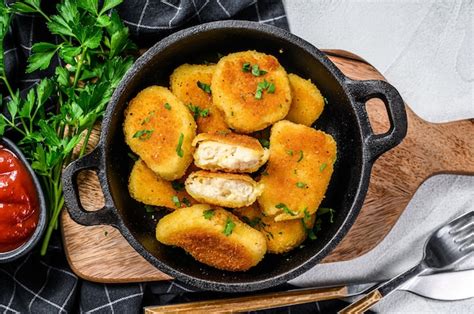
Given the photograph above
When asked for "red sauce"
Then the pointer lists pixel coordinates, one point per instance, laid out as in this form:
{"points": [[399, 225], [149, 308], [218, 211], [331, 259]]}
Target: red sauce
{"points": [[19, 207]]}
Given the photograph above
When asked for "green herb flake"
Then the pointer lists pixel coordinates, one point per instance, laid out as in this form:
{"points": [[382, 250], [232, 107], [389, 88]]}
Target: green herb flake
{"points": [[229, 227], [198, 112], [264, 142], [258, 93], [246, 67], [179, 149], [265, 173], [208, 214], [325, 100], [256, 70], [323, 166], [177, 186], [143, 135], [132, 156], [186, 202], [301, 185], [325, 210], [271, 88], [285, 209], [175, 200], [301, 156], [205, 87], [255, 222], [167, 106], [289, 152], [148, 117]]}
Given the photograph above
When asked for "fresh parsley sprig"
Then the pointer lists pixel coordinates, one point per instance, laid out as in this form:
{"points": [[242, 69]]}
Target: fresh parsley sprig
{"points": [[94, 48]]}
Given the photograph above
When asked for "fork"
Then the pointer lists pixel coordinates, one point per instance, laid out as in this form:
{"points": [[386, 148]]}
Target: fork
{"points": [[446, 246]]}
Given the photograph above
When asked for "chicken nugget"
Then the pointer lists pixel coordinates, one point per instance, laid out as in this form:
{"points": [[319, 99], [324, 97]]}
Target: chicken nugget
{"points": [[213, 236], [252, 89], [307, 103], [298, 171], [188, 82], [160, 129], [223, 189], [229, 152], [148, 188], [282, 236]]}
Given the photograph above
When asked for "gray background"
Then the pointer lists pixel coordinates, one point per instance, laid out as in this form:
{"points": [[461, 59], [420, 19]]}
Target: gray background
{"points": [[425, 49]]}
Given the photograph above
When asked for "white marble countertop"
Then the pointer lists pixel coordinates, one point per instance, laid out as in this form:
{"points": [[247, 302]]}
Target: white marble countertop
{"points": [[426, 50]]}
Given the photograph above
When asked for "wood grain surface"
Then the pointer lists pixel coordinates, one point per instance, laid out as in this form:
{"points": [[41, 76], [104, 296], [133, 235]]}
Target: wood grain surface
{"points": [[101, 254]]}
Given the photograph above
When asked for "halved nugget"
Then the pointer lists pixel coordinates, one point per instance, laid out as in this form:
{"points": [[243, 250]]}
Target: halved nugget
{"points": [[148, 188], [160, 129], [229, 152], [298, 171], [223, 189], [307, 103], [281, 236], [213, 236], [252, 89], [188, 82]]}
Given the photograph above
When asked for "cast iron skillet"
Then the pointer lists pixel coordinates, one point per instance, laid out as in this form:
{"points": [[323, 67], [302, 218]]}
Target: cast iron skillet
{"points": [[345, 118]]}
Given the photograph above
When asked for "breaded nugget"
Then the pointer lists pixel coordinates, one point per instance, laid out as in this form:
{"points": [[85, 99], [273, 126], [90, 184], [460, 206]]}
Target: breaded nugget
{"points": [[213, 236], [282, 236], [307, 103], [298, 171], [160, 129], [252, 89], [184, 84], [223, 189], [229, 152], [148, 188]]}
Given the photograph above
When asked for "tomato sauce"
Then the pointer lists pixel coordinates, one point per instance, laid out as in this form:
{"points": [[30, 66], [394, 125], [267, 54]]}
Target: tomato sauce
{"points": [[19, 206]]}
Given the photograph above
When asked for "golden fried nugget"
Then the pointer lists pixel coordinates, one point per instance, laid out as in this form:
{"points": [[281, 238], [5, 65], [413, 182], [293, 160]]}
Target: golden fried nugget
{"points": [[251, 99], [213, 236], [282, 236], [184, 84], [307, 103], [223, 189], [229, 152], [148, 188], [298, 171], [160, 129]]}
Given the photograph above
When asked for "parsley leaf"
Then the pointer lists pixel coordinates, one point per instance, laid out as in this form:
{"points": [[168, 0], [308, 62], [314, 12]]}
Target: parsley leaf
{"points": [[264, 142], [143, 135], [322, 167], [177, 186], [262, 86], [256, 70], [175, 200], [208, 214], [285, 209], [198, 112], [179, 149], [205, 87], [325, 210], [167, 106], [229, 227], [246, 67], [301, 185]]}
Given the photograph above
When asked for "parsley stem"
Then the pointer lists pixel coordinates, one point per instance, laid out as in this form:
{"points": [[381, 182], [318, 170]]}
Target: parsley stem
{"points": [[7, 84], [86, 140], [79, 66]]}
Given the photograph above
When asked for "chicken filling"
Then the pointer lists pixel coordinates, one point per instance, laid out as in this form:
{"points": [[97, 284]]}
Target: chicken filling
{"points": [[224, 189]]}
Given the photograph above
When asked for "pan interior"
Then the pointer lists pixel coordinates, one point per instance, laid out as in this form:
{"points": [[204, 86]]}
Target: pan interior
{"points": [[338, 119]]}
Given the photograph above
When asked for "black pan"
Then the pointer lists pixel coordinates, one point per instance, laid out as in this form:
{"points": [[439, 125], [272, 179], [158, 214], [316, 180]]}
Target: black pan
{"points": [[345, 118]]}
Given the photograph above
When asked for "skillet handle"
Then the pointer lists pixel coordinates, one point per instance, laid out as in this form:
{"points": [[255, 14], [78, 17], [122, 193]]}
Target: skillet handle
{"points": [[377, 144], [104, 216]]}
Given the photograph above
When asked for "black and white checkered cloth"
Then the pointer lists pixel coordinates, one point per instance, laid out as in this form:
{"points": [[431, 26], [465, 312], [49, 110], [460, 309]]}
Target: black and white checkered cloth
{"points": [[37, 284]]}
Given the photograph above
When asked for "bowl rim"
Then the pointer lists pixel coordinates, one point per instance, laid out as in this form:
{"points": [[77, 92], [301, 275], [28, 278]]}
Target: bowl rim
{"points": [[41, 226], [347, 222]]}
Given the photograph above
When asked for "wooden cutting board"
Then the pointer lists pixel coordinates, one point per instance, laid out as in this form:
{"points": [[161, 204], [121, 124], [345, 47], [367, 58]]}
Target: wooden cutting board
{"points": [[101, 254]]}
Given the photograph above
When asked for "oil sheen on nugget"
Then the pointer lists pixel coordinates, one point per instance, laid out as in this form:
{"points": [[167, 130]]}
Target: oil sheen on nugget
{"points": [[160, 129], [282, 236], [229, 152], [307, 103], [223, 189], [148, 188], [298, 171], [185, 82], [213, 236], [251, 89]]}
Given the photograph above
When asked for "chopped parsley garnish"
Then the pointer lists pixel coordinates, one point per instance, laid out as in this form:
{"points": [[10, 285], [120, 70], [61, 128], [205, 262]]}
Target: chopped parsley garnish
{"points": [[325, 100], [262, 86], [305, 220], [208, 214], [205, 87], [325, 210], [132, 156], [179, 150], [167, 106], [307, 215], [143, 134], [186, 202], [301, 156], [149, 209], [198, 112], [148, 117], [246, 67], [255, 222], [301, 185], [175, 200], [285, 209], [256, 70], [229, 227], [323, 166], [177, 186], [265, 143], [289, 152]]}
